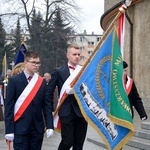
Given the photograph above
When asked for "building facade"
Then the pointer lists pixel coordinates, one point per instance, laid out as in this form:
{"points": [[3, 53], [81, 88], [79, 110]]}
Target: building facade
{"points": [[86, 42], [137, 37]]}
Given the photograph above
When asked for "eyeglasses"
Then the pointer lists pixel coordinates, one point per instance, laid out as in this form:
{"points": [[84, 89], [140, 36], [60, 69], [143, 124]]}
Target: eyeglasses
{"points": [[35, 63]]}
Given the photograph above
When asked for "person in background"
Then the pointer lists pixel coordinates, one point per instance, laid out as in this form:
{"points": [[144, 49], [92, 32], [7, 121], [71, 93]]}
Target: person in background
{"points": [[73, 124], [5, 79], [8, 73], [1, 95], [1, 104], [47, 77], [133, 95], [27, 100]]}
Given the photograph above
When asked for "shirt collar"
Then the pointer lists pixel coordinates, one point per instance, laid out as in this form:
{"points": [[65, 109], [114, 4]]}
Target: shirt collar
{"points": [[71, 65], [26, 74]]}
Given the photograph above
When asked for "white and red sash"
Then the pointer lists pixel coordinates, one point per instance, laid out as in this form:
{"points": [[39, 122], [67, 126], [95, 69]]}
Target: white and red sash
{"points": [[27, 96], [1, 96], [57, 124], [129, 84]]}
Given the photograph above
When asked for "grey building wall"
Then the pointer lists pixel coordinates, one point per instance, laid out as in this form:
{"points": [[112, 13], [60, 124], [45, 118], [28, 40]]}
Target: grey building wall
{"points": [[139, 15]]}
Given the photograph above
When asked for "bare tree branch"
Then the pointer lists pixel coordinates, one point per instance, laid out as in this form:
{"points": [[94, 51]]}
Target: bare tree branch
{"points": [[48, 8]]}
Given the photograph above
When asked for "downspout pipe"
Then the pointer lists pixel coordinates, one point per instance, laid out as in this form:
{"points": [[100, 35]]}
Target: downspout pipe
{"points": [[131, 44]]}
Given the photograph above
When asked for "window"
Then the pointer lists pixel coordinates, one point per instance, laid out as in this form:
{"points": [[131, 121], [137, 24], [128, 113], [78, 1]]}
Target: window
{"points": [[81, 39], [73, 39], [89, 52], [81, 57], [90, 43], [82, 48], [98, 39]]}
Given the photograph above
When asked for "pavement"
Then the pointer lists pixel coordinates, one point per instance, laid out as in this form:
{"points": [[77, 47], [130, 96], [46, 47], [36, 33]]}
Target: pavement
{"points": [[53, 142]]}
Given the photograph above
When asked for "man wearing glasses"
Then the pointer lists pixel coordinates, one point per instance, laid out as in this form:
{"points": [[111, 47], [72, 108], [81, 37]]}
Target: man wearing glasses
{"points": [[27, 100]]}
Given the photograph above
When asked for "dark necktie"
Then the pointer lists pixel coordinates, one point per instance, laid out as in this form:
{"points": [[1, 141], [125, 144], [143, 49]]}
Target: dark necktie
{"points": [[29, 78], [71, 67]]}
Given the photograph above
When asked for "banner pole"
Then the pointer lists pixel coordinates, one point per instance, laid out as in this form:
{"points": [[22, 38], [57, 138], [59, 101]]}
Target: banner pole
{"points": [[122, 10]]}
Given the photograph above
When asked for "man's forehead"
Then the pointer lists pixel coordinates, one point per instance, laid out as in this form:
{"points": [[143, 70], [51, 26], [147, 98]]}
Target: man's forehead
{"points": [[34, 58]]}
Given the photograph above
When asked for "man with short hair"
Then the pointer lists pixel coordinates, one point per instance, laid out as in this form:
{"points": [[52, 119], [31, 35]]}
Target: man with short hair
{"points": [[73, 124], [47, 77], [26, 101], [8, 73]]}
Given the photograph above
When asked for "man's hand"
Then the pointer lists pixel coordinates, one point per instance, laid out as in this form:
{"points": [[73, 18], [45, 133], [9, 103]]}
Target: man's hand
{"points": [[49, 132], [9, 137], [144, 118], [69, 90]]}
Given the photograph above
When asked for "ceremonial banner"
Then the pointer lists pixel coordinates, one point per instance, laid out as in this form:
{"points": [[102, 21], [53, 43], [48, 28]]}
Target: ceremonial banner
{"points": [[19, 61], [4, 66], [121, 31], [20, 55], [102, 97]]}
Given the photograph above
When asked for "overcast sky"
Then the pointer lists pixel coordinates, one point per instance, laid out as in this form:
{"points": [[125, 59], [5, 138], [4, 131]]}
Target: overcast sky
{"points": [[92, 12], [89, 18]]}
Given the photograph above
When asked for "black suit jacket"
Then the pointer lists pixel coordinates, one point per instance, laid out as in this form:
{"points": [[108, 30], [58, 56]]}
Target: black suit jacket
{"points": [[59, 76], [136, 101], [33, 115]]}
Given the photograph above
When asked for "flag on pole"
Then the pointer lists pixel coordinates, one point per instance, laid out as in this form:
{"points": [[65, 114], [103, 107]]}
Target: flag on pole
{"points": [[20, 55], [3, 75], [102, 97], [19, 65], [121, 31], [4, 66]]}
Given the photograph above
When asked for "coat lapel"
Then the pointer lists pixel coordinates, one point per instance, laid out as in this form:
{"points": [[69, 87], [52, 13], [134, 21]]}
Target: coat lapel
{"points": [[24, 79], [66, 72]]}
